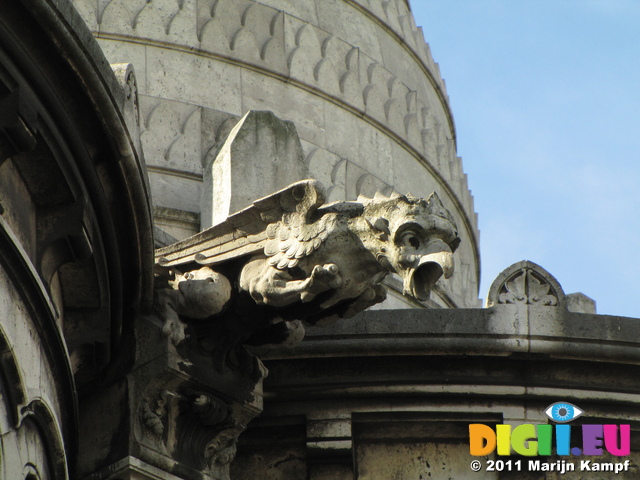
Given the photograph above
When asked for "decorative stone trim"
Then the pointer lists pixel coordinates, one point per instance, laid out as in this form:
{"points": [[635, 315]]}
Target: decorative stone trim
{"points": [[526, 283]]}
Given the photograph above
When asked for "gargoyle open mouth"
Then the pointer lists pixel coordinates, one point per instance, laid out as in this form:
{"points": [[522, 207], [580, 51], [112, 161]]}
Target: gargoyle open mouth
{"points": [[419, 281]]}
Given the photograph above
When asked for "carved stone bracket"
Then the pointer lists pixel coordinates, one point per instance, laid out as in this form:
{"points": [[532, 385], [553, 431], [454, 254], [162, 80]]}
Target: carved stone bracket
{"points": [[525, 283], [189, 410]]}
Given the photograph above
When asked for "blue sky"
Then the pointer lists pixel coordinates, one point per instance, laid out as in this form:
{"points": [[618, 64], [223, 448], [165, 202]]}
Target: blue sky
{"points": [[546, 100]]}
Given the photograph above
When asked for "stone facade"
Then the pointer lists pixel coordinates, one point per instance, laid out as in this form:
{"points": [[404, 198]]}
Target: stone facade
{"points": [[392, 394], [75, 233], [195, 367]]}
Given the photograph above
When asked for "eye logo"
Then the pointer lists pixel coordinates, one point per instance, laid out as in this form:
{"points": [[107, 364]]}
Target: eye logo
{"points": [[563, 412]]}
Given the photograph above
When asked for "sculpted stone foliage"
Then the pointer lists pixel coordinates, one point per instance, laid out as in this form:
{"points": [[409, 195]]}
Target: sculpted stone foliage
{"points": [[526, 283], [526, 288], [196, 427]]}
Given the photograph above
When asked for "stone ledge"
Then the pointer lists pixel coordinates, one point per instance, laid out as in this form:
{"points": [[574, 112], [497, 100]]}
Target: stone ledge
{"points": [[499, 330]]}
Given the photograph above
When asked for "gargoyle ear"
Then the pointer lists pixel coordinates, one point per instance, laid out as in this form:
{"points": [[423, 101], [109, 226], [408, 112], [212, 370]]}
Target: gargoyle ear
{"points": [[381, 225]]}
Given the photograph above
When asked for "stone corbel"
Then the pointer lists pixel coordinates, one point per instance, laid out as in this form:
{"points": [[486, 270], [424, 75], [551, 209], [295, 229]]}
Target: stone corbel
{"points": [[189, 413]]}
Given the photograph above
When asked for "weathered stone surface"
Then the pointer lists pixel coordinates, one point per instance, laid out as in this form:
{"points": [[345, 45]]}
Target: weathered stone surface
{"points": [[164, 66], [172, 136], [247, 31], [346, 22], [314, 262], [525, 283], [356, 78], [399, 457], [580, 303], [328, 169], [261, 155], [173, 225], [177, 190], [135, 54], [415, 380], [277, 96], [498, 330]]}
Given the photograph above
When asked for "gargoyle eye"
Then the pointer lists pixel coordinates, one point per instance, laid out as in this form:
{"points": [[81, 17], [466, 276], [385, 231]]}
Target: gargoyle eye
{"points": [[411, 240]]}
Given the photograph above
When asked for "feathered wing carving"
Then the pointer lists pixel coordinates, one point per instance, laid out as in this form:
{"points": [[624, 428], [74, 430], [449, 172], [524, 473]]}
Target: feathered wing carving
{"points": [[292, 239], [284, 217]]}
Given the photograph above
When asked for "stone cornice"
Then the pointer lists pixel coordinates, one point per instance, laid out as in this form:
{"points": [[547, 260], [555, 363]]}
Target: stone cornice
{"points": [[539, 330]]}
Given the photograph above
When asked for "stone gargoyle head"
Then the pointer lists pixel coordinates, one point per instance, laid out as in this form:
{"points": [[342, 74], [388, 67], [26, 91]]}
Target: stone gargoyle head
{"points": [[413, 237]]}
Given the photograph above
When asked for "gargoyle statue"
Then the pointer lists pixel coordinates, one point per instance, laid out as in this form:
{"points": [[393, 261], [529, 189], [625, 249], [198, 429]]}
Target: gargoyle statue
{"points": [[289, 256]]}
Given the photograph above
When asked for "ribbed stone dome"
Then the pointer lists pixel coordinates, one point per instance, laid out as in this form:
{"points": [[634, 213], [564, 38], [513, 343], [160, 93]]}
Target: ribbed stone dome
{"points": [[356, 77]]}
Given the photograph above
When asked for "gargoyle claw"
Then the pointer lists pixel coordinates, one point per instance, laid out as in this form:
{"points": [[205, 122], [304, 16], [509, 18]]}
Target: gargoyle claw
{"points": [[323, 277], [327, 273]]}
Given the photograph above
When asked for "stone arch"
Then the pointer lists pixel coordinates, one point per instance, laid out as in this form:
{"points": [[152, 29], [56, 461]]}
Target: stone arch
{"points": [[39, 422], [11, 384], [525, 283], [33, 429]]}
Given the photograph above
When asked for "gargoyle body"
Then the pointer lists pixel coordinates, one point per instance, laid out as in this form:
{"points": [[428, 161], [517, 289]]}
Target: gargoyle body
{"points": [[290, 257], [343, 255]]}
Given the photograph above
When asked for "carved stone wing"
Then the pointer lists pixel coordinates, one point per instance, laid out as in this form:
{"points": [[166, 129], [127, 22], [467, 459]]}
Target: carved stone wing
{"points": [[286, 213], [292, 239]]}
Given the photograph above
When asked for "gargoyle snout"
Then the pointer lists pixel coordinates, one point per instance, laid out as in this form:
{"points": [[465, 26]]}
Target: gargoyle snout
{"points": [[428, 271], [444, 260]]}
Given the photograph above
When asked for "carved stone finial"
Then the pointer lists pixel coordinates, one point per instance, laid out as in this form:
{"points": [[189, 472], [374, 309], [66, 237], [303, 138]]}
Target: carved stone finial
{"points": [[525, 283], [245, 167]]}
